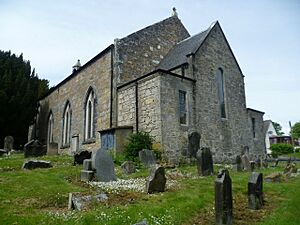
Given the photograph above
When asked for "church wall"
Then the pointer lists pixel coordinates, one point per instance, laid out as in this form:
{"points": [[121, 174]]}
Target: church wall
{"points": [[96, 75], [225, 136]]}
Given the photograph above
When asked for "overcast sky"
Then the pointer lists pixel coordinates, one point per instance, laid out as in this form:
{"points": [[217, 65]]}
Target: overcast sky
{"points": [[264, 36]]}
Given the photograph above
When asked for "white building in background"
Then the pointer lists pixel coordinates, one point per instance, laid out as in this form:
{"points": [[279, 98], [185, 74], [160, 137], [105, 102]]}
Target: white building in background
{"points": [[269, 131]]}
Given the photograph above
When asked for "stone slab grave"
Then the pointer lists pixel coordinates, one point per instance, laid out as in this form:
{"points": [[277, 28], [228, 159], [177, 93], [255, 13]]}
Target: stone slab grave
{"points": [[194, 144], [80, 156], [255, 191], [103, 163], [205, 162], [87, 174], [79, 202], [223, 198], [8, 143], [147, 158], [128, 167], [34, 164], [156, 182], [34, 149]]}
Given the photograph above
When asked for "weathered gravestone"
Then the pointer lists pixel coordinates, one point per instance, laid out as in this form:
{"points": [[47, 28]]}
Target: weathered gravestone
{"points": [[87, 174], [157, 180], [8, 143], [147, 158], [205, 162], [34, 149], [103, 163], [223, 198], [128, 167], [252, 165], [34, 164], [246, 162], [80, 156], [194, 144], [255, 191], [239, 164], [52, 148]]}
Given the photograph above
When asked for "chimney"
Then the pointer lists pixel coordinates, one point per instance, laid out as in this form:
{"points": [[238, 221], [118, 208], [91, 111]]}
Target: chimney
{"points": [[76, 66]]}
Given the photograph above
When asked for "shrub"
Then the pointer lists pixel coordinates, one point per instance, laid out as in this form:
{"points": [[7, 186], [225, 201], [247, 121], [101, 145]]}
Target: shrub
{"points": [[137, 142], [281, 149]]}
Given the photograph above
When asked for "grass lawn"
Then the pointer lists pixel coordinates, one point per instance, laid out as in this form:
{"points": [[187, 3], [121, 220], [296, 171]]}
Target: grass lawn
{"points": [[41, 197]]}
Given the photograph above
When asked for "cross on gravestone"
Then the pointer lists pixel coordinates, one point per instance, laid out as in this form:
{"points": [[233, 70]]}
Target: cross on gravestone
{"points": [[157, 180], [205, 162], [8, 143], [239, 165], [223, 198], [147, 158], [255, 191], [103, 164], [194, 144]]}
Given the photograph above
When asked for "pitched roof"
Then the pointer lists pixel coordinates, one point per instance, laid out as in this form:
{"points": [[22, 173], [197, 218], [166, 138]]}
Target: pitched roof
{"points": [[178, 54], [266, 125]]}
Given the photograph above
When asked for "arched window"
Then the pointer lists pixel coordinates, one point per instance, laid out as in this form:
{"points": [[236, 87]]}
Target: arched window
{"points": [[221, 96], [89, 120], [67, 124], [50, 128]]}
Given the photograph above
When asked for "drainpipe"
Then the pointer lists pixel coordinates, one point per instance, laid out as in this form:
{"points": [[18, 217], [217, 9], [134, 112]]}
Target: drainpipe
{"points": [[111, 86], [136, 108]]}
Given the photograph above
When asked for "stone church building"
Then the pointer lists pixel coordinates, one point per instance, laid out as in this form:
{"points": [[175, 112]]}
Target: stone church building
{"points": [[161, 80]]}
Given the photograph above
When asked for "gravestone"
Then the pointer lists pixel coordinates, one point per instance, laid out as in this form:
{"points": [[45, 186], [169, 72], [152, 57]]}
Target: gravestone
{"points": [[205, 162], [245, 162], [157, 180], [252, 165], [194, 144], [239, 164], [147, 158], [33, 164], [2, 152], [75, 143], [223, 198], [34, 149], [80, 156], [52, 148], [87, 174], [255, 191], [128, 167], [274, 177], [103, 163], [8, 143]]}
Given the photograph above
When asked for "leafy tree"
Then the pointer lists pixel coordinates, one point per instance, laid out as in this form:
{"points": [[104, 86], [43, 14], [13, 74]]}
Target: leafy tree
{"points": [[295, 130], [278, 128], [20, 88]]}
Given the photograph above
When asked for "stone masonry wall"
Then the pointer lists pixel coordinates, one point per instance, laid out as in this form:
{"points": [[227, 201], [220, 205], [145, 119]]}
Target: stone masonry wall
{"points": [[96, 75]]}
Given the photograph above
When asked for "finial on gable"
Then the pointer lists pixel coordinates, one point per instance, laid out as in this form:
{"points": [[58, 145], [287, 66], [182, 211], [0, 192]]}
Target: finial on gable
{"points": [[174, 13]]}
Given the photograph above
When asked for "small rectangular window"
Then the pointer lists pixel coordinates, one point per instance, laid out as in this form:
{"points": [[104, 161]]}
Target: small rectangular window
{"points": [[182, 107], [253, 127]]}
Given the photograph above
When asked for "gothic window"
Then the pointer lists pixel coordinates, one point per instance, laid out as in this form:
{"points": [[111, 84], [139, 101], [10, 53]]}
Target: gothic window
{"points": [[182, 107], [50, 128], [253, 127], [221, 96], [67, 124], [89, 125]]}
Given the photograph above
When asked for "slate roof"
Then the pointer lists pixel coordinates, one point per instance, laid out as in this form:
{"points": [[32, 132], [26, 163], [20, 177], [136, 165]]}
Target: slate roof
{"points": [[178, 54]]}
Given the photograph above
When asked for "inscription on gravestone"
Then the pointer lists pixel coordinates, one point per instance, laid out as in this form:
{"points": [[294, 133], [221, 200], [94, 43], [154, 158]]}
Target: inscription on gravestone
{"points": [[194, 144], [223, 198], [205, 162], [255, 190]]}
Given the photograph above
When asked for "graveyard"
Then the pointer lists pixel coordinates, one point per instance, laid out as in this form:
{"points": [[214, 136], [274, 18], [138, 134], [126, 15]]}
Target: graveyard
{"points": [[42, 195]]}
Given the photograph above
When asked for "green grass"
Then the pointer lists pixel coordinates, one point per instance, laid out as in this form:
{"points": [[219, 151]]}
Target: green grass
{"points": [[41, 197]]}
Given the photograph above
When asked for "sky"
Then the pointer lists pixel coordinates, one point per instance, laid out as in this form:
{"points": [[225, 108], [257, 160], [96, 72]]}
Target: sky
{"points": [[263, 34]]}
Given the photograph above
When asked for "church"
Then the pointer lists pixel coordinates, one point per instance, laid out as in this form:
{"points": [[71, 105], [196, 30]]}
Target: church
{"points": [[160, 80]]}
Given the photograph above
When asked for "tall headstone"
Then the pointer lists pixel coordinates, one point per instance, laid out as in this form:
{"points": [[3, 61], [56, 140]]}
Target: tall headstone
{"points": [[147, 158], [205, 162], [75, 143], [8, 143], [223, 198], [194, 144], [246, 162], [255, 190], [157, 180], [239, 164], [103, 163]]}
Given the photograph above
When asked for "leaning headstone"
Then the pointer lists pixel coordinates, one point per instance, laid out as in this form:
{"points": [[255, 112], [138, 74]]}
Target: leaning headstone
{"points": [[239, 165], [103, 163], [80, 156], [255, 191], [147, 158], [245, 162], [33, 164], [34, 149], [205, 162], [8, 143], [157, 180], [128, 167], [194, 144], [79, 202], [223, 198]]}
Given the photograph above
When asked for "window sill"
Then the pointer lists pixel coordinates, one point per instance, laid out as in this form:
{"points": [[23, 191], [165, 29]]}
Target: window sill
{"points": [[89, 141]]}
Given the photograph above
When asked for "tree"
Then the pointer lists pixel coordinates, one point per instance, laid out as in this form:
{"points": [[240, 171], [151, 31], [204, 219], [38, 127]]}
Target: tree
{"points": [[295, 130], [278, 128]]}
